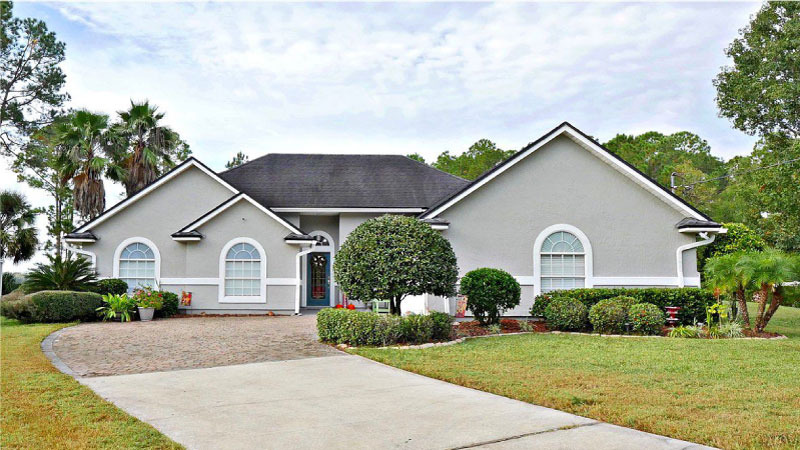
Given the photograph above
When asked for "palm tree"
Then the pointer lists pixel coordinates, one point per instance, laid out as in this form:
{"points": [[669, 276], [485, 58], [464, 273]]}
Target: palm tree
{"points": [[85, 143], [724, 273], [18, 240], [767, 272], [61, 274], [145, 148]]}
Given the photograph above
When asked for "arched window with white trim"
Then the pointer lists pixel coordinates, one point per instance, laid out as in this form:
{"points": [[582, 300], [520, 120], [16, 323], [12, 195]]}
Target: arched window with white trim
{"points": [[562, 259], [243, 269], [137, 266]]}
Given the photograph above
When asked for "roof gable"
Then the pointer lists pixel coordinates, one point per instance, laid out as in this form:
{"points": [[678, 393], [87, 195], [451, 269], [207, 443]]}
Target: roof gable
{"points": [[192, 227], [587, 143]]}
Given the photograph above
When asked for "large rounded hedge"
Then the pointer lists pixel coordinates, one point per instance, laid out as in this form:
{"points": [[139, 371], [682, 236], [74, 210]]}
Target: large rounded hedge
{"points": [[646, 318], [489, 293], [566, 314], [608, 316]]}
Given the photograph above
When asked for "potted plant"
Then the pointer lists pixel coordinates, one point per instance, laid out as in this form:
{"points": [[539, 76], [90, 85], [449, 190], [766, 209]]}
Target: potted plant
{"points": [[117, 307], [148, 301]]}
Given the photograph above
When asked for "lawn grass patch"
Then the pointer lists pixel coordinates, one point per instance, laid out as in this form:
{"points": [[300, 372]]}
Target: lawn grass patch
{"points": [[724, 393], [44, 408]]}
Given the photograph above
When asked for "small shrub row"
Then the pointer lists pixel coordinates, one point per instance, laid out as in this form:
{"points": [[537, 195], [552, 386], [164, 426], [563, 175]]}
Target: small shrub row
{"points": [[53, 306], [113, 286], [343, 326], [692, 301]]}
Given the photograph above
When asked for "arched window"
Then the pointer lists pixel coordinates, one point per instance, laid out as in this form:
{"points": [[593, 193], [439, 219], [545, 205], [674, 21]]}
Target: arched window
{"points": [[243, 271], [137, 266], [563, 259]]}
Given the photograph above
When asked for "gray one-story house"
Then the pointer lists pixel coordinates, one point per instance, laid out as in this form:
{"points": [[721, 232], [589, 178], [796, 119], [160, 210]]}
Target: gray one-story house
{"points": [[561, 213]]}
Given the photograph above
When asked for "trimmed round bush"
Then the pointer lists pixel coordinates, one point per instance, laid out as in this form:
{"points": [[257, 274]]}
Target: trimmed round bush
{"points": [[169, 304], [417, 329], [489, 293], [113, 286], [442, 325], [608, 316], [566, 314], [646, 318]]}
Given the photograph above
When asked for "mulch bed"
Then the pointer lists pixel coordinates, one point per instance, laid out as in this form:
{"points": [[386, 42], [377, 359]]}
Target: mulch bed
{"points": [[764, 334], [474, 328]]}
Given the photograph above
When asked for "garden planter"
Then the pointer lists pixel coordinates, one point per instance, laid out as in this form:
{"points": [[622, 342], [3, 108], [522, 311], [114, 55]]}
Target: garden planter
{"points": [[146, 314]]}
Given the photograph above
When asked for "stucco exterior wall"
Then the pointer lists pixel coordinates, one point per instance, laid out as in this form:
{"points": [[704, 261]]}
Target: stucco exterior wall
{"points": [[155, 217], [632, 232]]}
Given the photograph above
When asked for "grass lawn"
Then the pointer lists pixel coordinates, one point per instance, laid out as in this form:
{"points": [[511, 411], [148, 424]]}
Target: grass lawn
{"points": [[724, 393], [43, 408]]}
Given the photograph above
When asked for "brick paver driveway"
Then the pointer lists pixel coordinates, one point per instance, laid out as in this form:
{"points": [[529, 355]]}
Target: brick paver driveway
{"points": [[111, 348]]}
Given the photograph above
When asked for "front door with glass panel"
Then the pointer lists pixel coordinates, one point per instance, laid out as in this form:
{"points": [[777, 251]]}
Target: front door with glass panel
{"points": [[318, 287]]}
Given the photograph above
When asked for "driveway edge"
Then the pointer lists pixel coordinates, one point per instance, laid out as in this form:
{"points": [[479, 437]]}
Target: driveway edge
{"points": [[47, 349]]}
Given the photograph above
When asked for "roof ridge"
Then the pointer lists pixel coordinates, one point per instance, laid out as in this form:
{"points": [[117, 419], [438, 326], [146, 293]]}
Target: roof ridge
{"points": [[434, 168]]}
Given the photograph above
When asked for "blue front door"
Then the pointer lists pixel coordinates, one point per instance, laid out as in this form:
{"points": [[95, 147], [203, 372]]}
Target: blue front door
{"points": [[318, 286]]}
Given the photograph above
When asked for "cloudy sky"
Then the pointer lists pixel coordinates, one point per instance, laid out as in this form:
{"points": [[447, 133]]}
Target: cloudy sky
{"points": [[398, 78]]}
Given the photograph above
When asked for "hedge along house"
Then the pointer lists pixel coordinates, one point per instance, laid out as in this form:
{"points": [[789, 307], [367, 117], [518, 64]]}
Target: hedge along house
{"points": [[561, 213]]}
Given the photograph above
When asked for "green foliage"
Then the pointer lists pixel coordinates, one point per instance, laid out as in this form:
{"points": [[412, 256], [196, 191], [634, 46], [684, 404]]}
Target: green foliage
{"points": [[495, 328], [417, 328], [10, 283], [608, 316], [416, 157], [686, 332], [390, 257], [646, 318], [342, 326], [53, 306], [480, 157], [759, 92], [692, 301], [169, 305], [61, 274], [116, 306], [18, 239], [111, 286], [731, 329], [525, 326], [442, 325], [566, 314], [739, 238], [238, 159], [32, 81], [146, 297], [489, 293], [17, 305]]}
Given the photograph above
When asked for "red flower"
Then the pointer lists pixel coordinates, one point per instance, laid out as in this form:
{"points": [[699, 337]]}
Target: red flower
{"points": [[339, 306], [351, 306]]}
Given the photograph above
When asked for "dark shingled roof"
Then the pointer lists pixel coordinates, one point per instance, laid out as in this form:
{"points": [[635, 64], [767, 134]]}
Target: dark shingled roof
{"points": [[342, 181], [691, 222], [84, 235]]}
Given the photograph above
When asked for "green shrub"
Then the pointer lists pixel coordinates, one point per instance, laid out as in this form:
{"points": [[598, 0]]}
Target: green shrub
{"points": [[646, 318], [53, 306], [608, 316], [525, 326], [113, 286], [489, 293], [73, 273], [692, 301], [329, 322], [169, 306], [442, 325], [732, 329], [566, 314], [117, 306], [417, 329], [685, 331]]}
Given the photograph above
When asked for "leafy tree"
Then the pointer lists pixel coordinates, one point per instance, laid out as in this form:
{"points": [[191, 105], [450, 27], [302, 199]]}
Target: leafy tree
{"points": [[760, 93], [391, 257], [18, 240], [31, 82], [73, 273], [86, 144], [480, 157], [9, 283], [239, 159], [739, 238], [144, 147], [41, 166], [416, 157]]}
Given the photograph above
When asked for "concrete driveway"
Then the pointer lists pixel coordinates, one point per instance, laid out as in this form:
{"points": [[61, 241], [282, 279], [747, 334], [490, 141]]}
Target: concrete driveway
{"points": [[348, 402]]}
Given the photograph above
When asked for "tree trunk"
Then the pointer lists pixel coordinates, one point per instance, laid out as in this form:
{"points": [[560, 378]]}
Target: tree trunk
{"points": [[777, 299], [761, 298], [742, 301], [57, 229], [1, 276]]}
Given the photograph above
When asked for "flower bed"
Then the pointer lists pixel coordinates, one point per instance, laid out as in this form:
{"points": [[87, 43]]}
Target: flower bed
{"points": [[474, 328]]}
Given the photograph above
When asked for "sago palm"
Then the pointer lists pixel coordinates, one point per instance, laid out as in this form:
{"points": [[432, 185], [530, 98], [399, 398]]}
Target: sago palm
{"points": [[144, 146], [18, 239], [61, 274], [85, 143], [725, 273]]}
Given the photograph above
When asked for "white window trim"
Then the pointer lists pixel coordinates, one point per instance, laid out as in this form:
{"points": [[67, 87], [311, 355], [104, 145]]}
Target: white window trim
{"points": [[588, 274], [262, 298], [319, 249], [145, 241]]}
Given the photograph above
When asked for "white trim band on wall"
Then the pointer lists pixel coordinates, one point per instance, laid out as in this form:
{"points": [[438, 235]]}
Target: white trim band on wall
{"points": [[526, 280], [216, 281]]}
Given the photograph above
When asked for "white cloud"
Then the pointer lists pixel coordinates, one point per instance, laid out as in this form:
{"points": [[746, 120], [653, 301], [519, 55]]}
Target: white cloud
{"points": [[400, 78]]}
